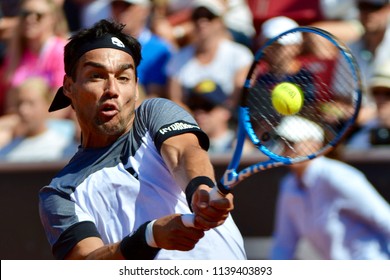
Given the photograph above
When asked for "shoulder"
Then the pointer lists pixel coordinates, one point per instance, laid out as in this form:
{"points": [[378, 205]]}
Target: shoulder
{"points": [[184, 54], [163, 119], [180, 59], [236, 47], [56, 44], [337, 174], [157, 45], [288, 183], [155, 113], [158, 105], [333, 166]]}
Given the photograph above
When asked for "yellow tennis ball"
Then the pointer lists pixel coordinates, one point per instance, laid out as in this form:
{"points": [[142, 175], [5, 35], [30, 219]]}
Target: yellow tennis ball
{"points": [[287, 98]]}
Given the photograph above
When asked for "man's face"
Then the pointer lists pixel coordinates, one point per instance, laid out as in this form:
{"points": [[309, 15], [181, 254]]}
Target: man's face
{"points": [[103, 95]]}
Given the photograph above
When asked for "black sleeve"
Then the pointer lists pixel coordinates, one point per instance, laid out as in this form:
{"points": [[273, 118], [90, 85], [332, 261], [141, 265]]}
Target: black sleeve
{"points": [[72, 236]]}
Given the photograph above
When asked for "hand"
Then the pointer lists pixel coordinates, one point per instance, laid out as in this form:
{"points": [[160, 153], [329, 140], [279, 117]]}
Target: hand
{"points": [[210, 213], [170, 233]]}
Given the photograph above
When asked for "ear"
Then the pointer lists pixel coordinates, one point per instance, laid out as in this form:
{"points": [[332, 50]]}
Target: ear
{"points": [[67, 84]]}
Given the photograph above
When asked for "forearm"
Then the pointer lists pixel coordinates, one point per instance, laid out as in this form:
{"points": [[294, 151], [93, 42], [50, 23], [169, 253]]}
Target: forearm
{"points": [[134, 246], [167, 232], [188, 162], [107, 252]]}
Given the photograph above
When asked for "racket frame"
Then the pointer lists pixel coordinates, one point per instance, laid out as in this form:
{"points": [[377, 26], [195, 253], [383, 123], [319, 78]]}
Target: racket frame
{"points": [[232, 177]]}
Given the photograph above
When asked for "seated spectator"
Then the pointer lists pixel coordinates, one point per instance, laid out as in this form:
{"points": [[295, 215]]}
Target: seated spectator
{"points": [[328, 203], [172, 20], [36, 48], [36, 139], [206, 102], [336, 16], [211, 56], [156, 52], [376, 132]]}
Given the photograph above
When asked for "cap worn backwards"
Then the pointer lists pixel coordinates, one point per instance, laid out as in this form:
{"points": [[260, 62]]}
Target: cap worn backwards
{"points": [[297, 129], [61, 101], [276, 26]]}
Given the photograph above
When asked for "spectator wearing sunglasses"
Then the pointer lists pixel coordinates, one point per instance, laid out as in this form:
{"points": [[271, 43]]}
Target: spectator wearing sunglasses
{"points": [[212, 56], [35, 49]]}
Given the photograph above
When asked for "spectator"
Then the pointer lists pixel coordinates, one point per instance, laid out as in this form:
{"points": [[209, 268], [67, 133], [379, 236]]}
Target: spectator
{"points": [[372, 48], [212, 56], [155, 51], [284, 59], [35, 49], [172, 20], [239, 21], [36, 139], [339, 16], [369, 49], [206, 102], [90, 11], [376, 132], [8, 21], [341, 218]]}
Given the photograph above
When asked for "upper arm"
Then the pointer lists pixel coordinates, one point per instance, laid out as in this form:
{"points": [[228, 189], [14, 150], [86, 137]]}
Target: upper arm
{"points": [[84, 247]]}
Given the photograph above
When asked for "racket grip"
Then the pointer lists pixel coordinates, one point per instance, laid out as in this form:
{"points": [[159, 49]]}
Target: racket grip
{"points": [[189, 219]]}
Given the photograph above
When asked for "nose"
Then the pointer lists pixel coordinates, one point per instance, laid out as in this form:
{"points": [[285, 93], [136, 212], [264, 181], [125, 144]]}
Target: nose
{"points": [[111, 87]]}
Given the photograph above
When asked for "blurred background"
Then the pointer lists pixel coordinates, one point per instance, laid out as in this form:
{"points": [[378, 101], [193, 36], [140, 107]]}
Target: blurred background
{"points": [[224, 35]]}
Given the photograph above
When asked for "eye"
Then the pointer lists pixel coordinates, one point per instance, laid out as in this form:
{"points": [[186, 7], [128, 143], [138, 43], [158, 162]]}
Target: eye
{"points": [[124, 78], [95, 75]]}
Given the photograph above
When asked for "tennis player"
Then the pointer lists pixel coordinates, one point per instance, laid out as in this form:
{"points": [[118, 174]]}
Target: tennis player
{"points": [[137, 169]]}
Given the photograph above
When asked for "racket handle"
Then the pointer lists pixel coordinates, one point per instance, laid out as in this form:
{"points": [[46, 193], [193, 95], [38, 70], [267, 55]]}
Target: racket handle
{"points": [[189, 219]]}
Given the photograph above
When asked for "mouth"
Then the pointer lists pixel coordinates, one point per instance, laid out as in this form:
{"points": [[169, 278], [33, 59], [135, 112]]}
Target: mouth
{"points": [[108, 110]]}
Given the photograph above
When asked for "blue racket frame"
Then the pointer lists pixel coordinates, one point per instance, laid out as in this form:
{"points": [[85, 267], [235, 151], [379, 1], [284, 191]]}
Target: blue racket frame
{"points": [[231, 176]]}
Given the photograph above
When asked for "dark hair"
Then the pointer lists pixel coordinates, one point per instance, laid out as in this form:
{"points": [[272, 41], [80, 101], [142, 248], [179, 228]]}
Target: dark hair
{"points": [[100, 29]]}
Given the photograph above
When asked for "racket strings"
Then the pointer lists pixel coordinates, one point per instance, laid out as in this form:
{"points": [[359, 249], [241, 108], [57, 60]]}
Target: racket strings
{"points": [[330, 88]]}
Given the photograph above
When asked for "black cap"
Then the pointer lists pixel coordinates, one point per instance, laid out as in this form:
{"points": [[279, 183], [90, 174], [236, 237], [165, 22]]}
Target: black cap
{"points": [[60, 101]]}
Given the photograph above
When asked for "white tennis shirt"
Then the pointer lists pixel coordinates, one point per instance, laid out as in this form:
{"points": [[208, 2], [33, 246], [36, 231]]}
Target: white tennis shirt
{"points": [[109, 192]]}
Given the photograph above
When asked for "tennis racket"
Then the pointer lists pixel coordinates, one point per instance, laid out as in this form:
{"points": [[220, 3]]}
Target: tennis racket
{"points": [[325, 72]]}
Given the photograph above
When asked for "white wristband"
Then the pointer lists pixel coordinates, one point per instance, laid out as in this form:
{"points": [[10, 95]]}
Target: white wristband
{"points": [[149, 235]]}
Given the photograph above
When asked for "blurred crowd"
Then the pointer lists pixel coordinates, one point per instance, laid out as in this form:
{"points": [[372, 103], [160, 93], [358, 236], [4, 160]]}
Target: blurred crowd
{"points": [[195, 52]]}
